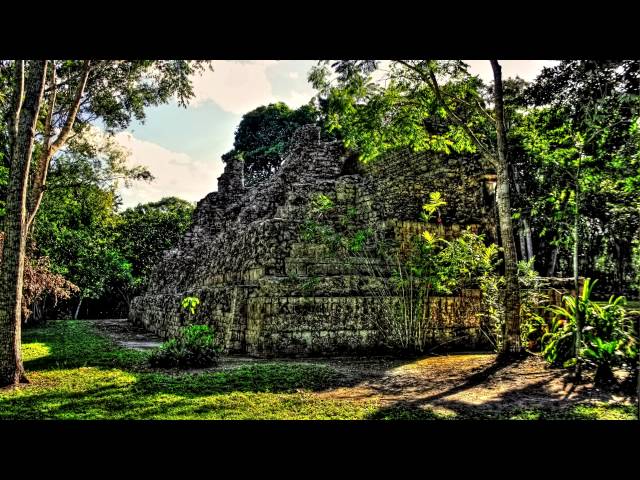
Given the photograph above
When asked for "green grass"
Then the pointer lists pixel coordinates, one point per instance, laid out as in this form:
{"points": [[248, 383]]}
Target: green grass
{"points": [[77, 374]]}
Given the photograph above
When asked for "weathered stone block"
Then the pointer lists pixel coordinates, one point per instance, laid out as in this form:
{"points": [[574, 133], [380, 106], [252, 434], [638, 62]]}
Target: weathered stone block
{"points": [[267, 291]]}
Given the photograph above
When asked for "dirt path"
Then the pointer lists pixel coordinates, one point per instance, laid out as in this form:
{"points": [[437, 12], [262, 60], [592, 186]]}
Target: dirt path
{"points": [[475, 382], [126, 334]]}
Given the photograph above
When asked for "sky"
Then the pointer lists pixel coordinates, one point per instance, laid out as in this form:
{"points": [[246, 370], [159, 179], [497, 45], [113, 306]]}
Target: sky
{"points": [[182, 146]]}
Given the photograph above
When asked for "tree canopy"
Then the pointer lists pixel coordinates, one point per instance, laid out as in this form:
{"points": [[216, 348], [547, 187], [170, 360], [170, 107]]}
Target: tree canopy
{"points": [[263, 136]]}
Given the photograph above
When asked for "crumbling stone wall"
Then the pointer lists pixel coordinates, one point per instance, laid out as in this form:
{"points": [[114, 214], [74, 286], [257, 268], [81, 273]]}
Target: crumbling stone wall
{"points": [[268, 292]]}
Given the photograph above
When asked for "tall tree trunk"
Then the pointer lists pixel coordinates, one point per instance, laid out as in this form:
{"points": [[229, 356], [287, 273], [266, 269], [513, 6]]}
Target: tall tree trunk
{"points": [[15, 227], [554, 261], [523, 246], [511, 343], [527, 236], [75, 316], [576, 275]]}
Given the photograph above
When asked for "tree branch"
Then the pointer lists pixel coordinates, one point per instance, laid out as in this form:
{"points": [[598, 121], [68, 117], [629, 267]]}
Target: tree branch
{"points": [[433, 84], [73, 110], [40, 179]]}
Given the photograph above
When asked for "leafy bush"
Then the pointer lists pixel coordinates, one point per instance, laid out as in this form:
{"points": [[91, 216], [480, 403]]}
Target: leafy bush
{"points": [[534, 298], [195, 347], [608, 338], [435, 266]]}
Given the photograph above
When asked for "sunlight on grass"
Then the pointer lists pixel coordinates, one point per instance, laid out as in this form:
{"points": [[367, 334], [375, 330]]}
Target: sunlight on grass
{"points": [[92, 393], [77, 374], [32, 351]]}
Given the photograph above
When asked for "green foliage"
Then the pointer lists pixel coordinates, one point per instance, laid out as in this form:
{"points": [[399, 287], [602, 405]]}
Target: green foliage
{"points": [[147, 230], [313, 227], [608, 338], [534, 296], [75, 228], [312, 231], [190, 304], [357, 243], [404, 113], [321, 204], [195, 347], [586, 112], [434, 265], [263, 137]]}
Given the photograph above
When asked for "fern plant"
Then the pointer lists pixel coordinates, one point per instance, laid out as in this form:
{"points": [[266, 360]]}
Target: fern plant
{"points": [[608, 338]]}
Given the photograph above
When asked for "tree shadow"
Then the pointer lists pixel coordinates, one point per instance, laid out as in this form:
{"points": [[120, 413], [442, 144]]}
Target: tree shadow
{"points": [[531, 402]]}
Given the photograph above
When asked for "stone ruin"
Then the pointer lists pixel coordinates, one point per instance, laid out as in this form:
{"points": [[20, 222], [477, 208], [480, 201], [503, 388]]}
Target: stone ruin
{"points": [[269, 292]]}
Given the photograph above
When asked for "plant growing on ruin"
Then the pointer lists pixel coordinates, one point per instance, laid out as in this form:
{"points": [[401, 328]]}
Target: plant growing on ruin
{"points": [[320, 204], [431, 265], [190, 304], [195, 346], [357, 242], [309, 284]]}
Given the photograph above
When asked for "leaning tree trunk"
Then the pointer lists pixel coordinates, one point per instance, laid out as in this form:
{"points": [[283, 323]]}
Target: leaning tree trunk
{"points": [[75, 316], [511, 343], [22, 132]]}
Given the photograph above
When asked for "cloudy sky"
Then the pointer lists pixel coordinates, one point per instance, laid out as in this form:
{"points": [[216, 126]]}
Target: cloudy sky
{"points": [[182, 147]]}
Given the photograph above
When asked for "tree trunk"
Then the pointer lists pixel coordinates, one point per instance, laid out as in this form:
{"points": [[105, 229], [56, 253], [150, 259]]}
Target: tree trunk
{"points": [[13, 255], [51, 146], [523, 246], [75, 316], [527, 236], [553, 262], [511, 343], [576, 275]]}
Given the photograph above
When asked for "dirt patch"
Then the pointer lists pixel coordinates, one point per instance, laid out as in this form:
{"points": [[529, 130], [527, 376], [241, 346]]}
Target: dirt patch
{"points": [[126, 334], [460, 383]]}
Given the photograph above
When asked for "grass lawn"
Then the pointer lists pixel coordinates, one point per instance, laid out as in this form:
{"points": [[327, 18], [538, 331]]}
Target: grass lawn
{"points": [[75, 373]]}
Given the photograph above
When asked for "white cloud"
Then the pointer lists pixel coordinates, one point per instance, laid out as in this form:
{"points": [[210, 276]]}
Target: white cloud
{"points": [[525, 69], [176, 173], [296, 98], [235, 87], [294, 75]]}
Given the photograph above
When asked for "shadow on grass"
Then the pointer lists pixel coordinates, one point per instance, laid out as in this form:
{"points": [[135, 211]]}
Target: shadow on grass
{"points": [[114, 384], [535, 401], [78, 374]]}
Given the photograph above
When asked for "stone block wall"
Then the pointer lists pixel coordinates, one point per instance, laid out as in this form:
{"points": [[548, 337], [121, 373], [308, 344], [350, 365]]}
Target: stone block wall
{"points": [[269, 292]]}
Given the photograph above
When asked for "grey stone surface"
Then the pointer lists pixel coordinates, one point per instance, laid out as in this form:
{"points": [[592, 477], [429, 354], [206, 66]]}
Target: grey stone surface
{"points": [[269, 292]]}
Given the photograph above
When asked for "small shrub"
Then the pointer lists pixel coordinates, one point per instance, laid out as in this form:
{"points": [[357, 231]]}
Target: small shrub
{"points": [[320, 204], [608, 337], [195, 347]]}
